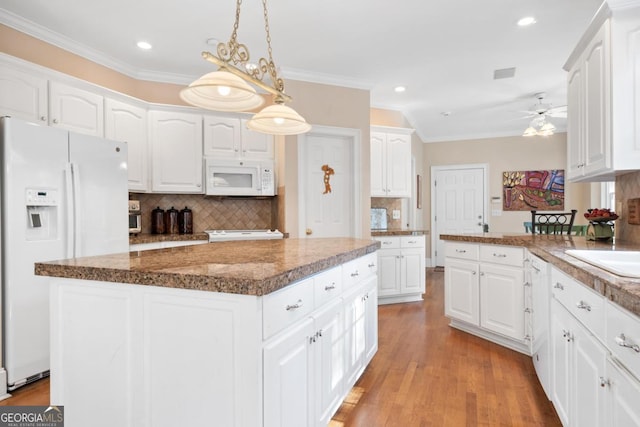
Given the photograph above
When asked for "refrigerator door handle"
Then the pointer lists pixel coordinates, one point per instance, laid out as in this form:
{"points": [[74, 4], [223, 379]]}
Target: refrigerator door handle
{"points": [[68, 175], [77, 241]]}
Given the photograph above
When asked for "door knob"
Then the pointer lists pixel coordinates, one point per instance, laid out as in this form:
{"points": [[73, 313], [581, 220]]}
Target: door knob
{"points": [[309, 231]]}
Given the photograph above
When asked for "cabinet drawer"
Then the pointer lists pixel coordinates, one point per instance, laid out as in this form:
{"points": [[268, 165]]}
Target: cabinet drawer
{"points": [[583, 303], [286, 306], [412, 242], [327, 285], [353, 272], [623, 336], [388, 242], [505, 255], [461, 250]]}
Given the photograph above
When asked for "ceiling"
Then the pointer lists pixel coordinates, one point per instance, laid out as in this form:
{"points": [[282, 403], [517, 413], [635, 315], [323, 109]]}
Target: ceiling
{"points": [[444, 51]]}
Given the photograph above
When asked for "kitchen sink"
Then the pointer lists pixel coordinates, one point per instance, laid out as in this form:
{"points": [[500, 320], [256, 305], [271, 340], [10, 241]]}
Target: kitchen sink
{"points": [[622, 263]]}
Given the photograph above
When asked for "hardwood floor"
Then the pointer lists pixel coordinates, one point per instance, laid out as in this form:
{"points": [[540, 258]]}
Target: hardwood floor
{"points": [[428, 374], [425, 374]]}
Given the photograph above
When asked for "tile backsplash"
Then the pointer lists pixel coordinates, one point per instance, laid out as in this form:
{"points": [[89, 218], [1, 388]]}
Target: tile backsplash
{"points": [[627, 187], [211, 213], [389, 204]]}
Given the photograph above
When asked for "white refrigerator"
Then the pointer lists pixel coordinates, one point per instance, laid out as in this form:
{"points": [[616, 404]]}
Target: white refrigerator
{"points": [[63, 195]]}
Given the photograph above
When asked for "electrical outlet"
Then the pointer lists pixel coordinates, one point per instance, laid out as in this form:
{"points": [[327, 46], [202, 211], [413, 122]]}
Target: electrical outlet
{"points": [[396, 214]]}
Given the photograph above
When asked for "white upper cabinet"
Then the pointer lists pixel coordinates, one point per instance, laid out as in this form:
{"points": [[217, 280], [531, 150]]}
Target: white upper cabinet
{"points": [[76, 109], [23, 95], [128, 122], [229, 137], [603, 138], [176, 152], [390, 162]]}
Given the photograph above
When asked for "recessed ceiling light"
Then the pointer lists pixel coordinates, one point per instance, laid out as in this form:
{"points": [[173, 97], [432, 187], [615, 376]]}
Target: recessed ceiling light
{"points": [[399, 89], [529, 20], [446, 113], [144, 45]]}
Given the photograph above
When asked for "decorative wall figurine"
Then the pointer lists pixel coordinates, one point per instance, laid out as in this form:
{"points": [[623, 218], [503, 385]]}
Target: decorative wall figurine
{"points": [[328, 171]]}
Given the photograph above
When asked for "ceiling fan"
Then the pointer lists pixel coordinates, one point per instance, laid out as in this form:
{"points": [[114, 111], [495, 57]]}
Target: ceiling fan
{"points": [[539, 113]]}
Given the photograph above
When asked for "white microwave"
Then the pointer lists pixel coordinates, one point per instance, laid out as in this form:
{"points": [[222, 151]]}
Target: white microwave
{"points": [[239, 177]]}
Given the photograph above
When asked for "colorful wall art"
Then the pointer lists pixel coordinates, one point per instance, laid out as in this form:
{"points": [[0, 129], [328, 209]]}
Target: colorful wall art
{"points": [[533, 190]]}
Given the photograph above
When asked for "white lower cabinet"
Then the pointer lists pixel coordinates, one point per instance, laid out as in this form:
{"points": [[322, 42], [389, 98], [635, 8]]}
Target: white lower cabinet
{"points": [[401, 271], [623, 403], [310, 365], [538, 279], [485, 292]]}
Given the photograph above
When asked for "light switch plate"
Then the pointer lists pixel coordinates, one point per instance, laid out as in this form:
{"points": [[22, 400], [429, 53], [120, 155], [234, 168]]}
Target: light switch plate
{"points": [[396, 214]]}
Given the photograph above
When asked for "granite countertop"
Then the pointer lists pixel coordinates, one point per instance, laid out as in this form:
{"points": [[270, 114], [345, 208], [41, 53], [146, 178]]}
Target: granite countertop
{"points": [[398, 232], [624, 291], [152, 238], [255, 267]]}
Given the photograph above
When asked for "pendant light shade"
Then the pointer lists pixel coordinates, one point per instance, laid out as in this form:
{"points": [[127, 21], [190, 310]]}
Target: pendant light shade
{"points": [[221, 91], [530, 131], [278, 119]]}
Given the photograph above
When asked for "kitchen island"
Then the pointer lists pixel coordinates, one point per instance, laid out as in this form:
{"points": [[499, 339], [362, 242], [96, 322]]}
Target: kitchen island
{"points": [[258, 333]]}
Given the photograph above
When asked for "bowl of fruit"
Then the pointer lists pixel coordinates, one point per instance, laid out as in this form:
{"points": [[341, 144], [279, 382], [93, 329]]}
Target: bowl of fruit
{"points": [[600, 215]]}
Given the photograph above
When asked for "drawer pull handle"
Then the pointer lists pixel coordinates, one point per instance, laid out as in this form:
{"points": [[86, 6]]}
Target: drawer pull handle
{"points": [[527, 310], [412, 241], [583, 305], [527, 284], [373, 264], [294, 306], [535, 268], [558, 285], [386, 242], [355, 274], [500, 255], [330, 287], [621, 340], [461, 251]]}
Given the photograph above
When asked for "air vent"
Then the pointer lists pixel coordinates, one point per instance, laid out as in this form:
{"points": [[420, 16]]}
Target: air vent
{"points": [[504, 73]]}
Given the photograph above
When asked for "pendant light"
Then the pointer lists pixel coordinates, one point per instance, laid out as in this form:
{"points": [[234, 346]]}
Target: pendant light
{"points": [[229, 88]]}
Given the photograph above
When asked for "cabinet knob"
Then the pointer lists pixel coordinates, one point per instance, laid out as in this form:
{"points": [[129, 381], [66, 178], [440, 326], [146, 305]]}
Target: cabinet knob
{"points": [[604, 382], [55, 120], [308, 231], [473, 273], [43, 118]]}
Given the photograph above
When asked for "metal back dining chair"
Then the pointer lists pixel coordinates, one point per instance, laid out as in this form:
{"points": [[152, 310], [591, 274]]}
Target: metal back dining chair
{"points": [[552, 222]]}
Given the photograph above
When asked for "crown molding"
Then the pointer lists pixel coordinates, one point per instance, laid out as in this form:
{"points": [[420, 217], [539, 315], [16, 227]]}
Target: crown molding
{"points": [[328, 79]]}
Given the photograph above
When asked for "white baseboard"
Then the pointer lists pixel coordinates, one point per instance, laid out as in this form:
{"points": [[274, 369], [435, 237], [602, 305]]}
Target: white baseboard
{"points": [[521, 347], [399, 299]]}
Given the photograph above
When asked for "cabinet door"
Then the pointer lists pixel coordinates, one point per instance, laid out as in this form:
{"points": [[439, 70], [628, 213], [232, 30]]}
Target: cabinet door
{"points": [[221, 137], [623, 401], [288, 377], [561, 337], [597, 102], [255, 145], [575, 118], [378, 165], [371, 320], [413, 271], [502, 300], [461, 291], [354, 324], [589, 358], [23, 96], [176, 152], [76, 109], [126, 122], [329, 361], [389, 272], [398, 154]]}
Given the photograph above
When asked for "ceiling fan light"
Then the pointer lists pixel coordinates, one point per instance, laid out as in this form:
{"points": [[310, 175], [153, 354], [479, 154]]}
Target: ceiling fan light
{"points": [[221, 91], [547, 127], [278, 119], [530, 132]]}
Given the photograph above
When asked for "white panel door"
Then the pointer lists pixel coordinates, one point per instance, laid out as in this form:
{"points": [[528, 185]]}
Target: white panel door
{"points": [[328, 199], [575, 117], [560, 334], [460, 204], [389, 272], [76, 109], [623, 405], [502, 300], [23, 95], [221, 137], [378, 164], [398, 157], [288, 377], [256, 145], [370, 320], [412, 270], [589, 360], [126, 122], [461, 291]]}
